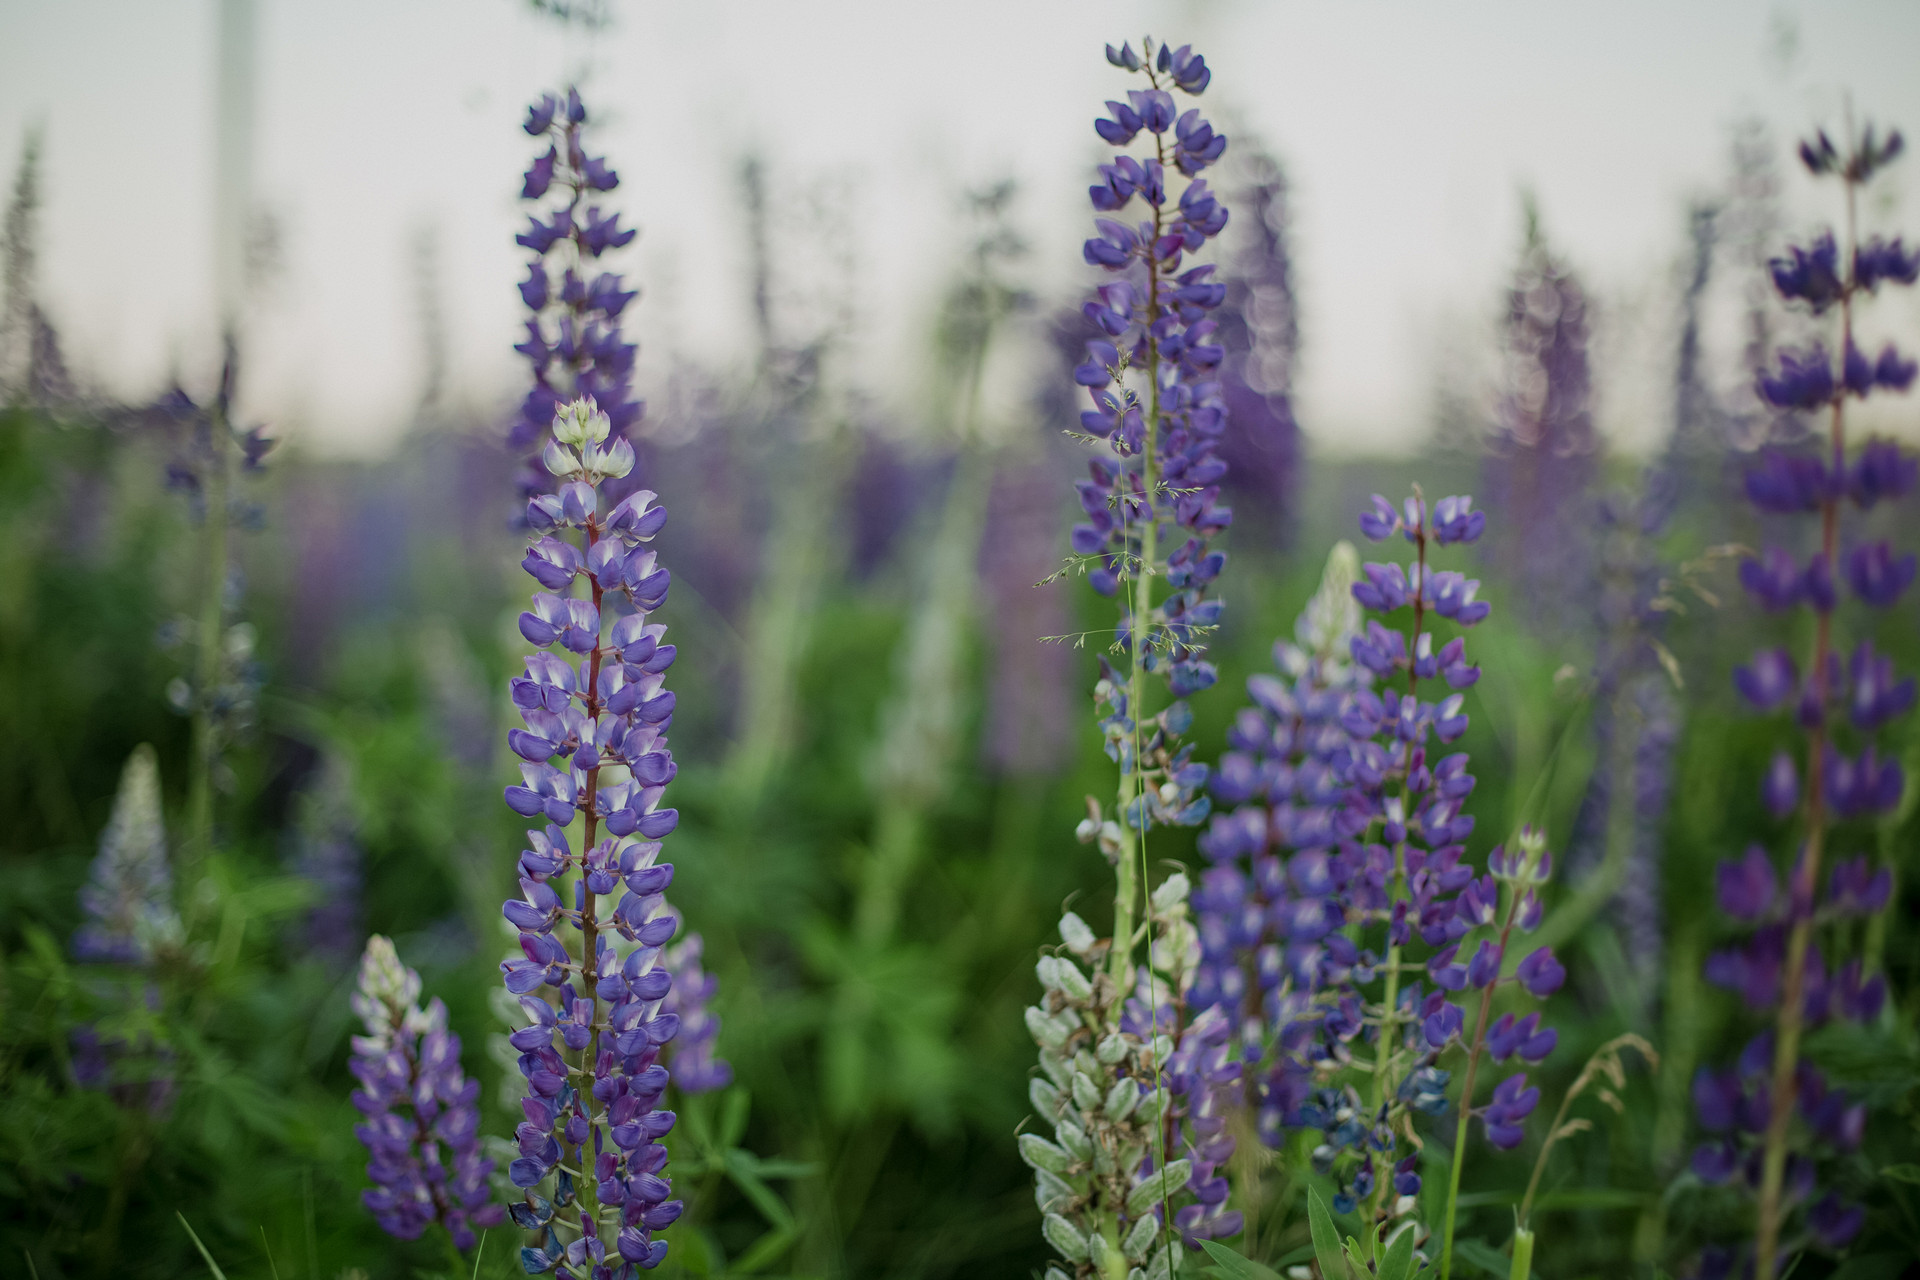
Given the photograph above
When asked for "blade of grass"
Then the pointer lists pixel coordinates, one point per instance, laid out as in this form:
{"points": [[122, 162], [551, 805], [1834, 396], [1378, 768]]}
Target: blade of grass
{"points": [[212, 1266], [272, 1269]]}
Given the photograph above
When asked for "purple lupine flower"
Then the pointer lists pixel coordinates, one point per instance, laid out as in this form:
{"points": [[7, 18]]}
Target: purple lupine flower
{"points": [[1260, 333], [130, 923], [1396, 844], [422, 1115], [1778, 969], [1157, 498], [1152, 505], [592, 1100], [128, 898], [573, 342], [1029, 712], [327, 857], [694, 1067], [1268, 902], [1543, 459]]}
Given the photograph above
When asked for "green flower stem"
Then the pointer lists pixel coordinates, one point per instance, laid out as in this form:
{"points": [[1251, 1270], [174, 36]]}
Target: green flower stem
{"points": [[1466, 1092], [1132, 847], [1522, 1254], [1786, 1052], [212, 641], [1390, 1006]]}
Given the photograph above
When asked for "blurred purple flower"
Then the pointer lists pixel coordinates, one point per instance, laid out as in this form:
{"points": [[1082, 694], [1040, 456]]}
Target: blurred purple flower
{"points": [[421, 1123]]}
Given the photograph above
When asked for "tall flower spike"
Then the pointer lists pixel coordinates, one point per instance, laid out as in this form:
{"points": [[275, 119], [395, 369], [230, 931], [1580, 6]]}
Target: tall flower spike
{"points": [[1779, 969], [128, 899], [573, 339], [694, 1066], [1394, 863], [1113, 1186], [592, 978], [422, 1126], [1268, 901], [1542, 464], [130, 922]]}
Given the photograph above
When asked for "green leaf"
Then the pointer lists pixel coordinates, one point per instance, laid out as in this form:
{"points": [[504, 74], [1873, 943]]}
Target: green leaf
{"points": [[212, 1266], [1235, 1267], [1902, 1173], [1326, 1240], [777, 1168], [1398, 1264], [766, 1249], [771, 1206], [733, 1119]]}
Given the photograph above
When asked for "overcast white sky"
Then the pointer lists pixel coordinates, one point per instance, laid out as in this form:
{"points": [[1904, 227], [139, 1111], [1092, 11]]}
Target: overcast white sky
{"points": [[1408, 128]]}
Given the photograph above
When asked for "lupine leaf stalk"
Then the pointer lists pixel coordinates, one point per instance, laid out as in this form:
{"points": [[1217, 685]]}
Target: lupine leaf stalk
{"points": [[590, 1157], [1781, 966], [1111, 1183]]}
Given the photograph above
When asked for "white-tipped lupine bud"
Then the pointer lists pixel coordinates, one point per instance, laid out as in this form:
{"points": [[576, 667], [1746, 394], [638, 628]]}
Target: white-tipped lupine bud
{"points": [[1086, 830], [1044, 1097], [1076, 934], [1150, 1106], [1074, 1139], [1158, 1186], [1043, 970], [1121, 1100], [1041, 1154], [614, 460], [1171, 893], [1067, 976], [1086, 1094], [1140, 1239], [1062, 1236], [1046, 1030], [559, 459], [1112, 1049], [1051, 1194]]}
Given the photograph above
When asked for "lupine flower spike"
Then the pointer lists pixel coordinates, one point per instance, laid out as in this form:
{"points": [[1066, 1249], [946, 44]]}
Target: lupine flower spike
{"points": [[573, 338], [128, 899], [1267, 903], [1392, 860], [1113, 1185], [591, 977], [131, 923], [422, 1126], [1839, 703]]}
